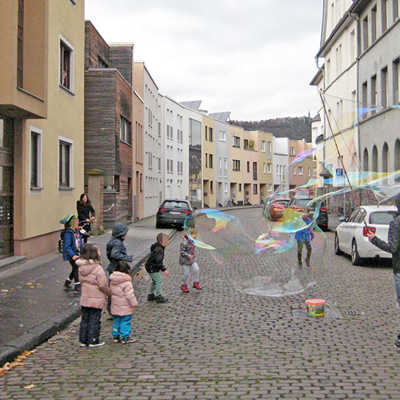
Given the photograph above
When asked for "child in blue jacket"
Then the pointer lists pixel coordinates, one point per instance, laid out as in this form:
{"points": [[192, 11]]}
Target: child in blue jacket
{"points": [[72, 247]]}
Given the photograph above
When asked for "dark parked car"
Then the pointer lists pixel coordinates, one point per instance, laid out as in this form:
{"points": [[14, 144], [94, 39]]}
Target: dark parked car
{"points": [[172, 213], [300, 204]]}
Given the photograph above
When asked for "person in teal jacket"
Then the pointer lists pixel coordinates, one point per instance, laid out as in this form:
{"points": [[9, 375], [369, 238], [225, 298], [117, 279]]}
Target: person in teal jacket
{"points": [[303, 238]]}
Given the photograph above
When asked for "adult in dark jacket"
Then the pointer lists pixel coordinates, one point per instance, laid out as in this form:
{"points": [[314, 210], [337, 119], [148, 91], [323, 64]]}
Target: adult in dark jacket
{"points": [[155, 265], [116, 250], [72, 247], [86, 214], [392, 246]]}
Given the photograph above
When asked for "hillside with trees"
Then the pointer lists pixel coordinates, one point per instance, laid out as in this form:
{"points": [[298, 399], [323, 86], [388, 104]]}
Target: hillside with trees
{"points": [[291, 127]]}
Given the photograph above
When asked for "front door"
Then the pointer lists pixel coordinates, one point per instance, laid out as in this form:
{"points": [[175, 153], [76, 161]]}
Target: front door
{"points": [[6, 186]]}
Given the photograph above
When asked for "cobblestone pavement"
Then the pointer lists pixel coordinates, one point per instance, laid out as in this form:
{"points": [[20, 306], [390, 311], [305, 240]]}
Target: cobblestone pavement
{"points": [[221, 343]]}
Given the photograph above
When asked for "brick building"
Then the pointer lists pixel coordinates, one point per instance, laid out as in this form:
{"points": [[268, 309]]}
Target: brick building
{"points": [[108, 123]]}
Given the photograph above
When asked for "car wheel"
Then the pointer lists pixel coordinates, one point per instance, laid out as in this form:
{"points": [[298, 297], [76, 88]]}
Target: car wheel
{"points": [[355, 257], [337, 248]]}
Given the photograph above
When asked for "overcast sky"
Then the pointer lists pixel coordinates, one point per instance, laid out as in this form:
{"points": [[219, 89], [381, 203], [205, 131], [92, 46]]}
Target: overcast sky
{"points": [[254, 58]]}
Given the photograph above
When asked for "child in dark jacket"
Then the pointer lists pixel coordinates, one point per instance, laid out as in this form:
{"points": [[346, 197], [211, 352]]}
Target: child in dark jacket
{"points": [[116, 250], [303, 238], [154, 266], [72, 247], [186, 259]]}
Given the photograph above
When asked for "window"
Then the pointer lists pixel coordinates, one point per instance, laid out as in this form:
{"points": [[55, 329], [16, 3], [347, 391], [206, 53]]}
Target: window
{"points": [[150, 160], [385, 158], [373, 94], [66, 65], [159, 129], [309, 171], [225, 187], [159, 164], [365, 33], [396, 79], [240, 187], [294, 171], [206, 160], [292, 151], [211, 187], [300, 171], [395, 9], [384, 89], [374, 159], [36, 158], [269, 168], [255, 188], [101, 63], [210, 164], [170, 166], [382, 218], [384, 6], [220, 165], [116, 183], [366, 160], [210, 134], [205, 132], [225, 167], [265, 168], [364, 111], [236, 165], [246, 144], [125, 130], [373, 24], [248, 166], [65, 163], [236, 141], [222, 136], [263, 146], [269, 148]]}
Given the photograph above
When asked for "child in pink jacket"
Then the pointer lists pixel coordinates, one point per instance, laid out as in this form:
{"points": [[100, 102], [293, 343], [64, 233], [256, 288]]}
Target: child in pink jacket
{"points": [[94, 292], [123, 303]]}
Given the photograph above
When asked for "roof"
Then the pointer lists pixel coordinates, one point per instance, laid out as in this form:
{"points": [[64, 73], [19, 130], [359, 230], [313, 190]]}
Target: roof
{"points": [[379, 208], [195, 104], [221, 116], [316, 118], [317, 77]]}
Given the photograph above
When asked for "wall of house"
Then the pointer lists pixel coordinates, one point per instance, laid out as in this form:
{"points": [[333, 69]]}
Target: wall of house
{"points": [[383, 119], [175, 149], [208, 148], [222, 162], [36, 230], [237, 177], [265, 173], [138, 153]]}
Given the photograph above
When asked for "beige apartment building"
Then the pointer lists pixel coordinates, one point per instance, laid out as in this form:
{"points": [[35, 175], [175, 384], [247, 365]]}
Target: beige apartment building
{"points": [[41, 122], [250, 168], [265, 164], [301, 172], [208, 161]]}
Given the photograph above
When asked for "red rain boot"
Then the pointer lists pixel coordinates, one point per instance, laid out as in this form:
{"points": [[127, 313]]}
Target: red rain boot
{"points": [[197, 286], [184, 288]]}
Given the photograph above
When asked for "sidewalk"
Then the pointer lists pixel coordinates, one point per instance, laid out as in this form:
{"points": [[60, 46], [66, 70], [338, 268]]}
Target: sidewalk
{"points": [[33, 303]]}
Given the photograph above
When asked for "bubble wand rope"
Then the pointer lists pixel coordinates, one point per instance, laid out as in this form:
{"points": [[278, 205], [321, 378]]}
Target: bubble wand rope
{"points": [[338, 152]]}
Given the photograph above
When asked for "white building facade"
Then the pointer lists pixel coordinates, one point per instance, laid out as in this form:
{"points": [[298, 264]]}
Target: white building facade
{"points": [[281, 164], [222, 157], [175, 145], [338, 49], [153, 172]]}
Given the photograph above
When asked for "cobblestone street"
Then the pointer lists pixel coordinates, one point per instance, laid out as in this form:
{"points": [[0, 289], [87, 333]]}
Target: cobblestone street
{"points": [[221, 343]]}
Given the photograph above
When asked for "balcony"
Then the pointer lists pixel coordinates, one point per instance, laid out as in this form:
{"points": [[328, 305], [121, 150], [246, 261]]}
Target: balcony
{"points": [[23, 75]]}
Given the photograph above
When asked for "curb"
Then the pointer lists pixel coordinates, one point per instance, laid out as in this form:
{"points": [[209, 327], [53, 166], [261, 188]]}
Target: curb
{"points": [[37, 335], [46, 330]]}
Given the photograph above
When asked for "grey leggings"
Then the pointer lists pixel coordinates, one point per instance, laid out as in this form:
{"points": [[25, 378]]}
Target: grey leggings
{"points": [[188, 269]]}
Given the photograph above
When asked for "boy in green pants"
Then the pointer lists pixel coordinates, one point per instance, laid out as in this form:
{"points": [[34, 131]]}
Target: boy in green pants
{"points": [[154, 266]]}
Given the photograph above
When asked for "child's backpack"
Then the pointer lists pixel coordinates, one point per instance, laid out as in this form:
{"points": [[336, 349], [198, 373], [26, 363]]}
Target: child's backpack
{"points": [[61, 242]]}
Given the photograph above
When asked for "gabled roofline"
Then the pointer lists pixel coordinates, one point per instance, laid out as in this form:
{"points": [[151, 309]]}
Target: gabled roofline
{"points": [[317, 77], [148, 72]]}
